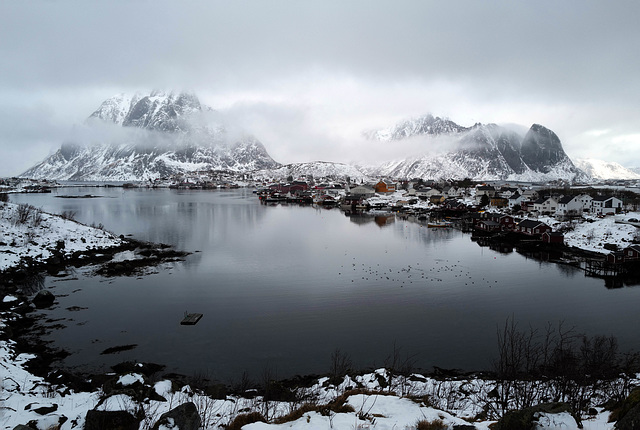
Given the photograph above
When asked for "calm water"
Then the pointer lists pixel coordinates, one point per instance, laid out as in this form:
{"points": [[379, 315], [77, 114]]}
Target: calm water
{"points": [[283, 286]]}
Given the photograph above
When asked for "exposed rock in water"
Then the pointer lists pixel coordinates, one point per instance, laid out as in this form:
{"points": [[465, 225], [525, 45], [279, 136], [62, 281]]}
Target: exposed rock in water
{"points": [[43, 299]]}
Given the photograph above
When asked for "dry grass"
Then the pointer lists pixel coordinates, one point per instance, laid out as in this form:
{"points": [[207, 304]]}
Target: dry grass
{"points": [[244, 419], [430, 425]]}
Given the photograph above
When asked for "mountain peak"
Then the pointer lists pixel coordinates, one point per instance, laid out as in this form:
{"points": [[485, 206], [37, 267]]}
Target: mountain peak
{"points": [[158, 110], [172, 138], [422, 125]]}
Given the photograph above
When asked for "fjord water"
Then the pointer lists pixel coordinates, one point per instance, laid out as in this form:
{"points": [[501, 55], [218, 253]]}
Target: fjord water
{"points": [[281, 287]]}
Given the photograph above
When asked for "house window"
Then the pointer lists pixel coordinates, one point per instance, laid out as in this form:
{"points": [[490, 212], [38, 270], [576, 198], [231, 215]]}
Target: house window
{"points": [[630, 253]]}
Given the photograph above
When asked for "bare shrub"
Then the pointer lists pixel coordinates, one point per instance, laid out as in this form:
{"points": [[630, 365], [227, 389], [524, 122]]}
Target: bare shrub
{"points": [[68, 215], [99, 226], [340, 366], [399, 370], [23, 213], [36, 217], [557, 366], [4, 197]]}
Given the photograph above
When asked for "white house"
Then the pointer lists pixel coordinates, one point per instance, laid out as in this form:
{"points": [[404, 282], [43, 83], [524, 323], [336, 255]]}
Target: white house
{"points": [[573, 205], [362, 190], [456, 192], [530, 194], [427, 192], [605, 205], [515, 200], [585, 199], [545, 205], [569, 205]]}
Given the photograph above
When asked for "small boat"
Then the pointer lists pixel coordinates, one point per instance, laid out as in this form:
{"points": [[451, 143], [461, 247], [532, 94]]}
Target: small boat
{"points": [[439, 224]]}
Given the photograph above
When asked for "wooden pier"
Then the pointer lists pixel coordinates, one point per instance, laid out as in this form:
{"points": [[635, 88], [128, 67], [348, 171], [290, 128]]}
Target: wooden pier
{"points": [[602, 269], [190, 319]]}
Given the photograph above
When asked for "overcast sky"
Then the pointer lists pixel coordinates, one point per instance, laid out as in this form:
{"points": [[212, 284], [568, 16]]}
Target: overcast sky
{"points": [[307, 77]]}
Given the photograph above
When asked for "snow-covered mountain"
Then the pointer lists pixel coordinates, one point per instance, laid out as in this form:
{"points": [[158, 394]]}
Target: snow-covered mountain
{"points": [[151, 136], [317, 169], [599, 169], [481, 152], [427, 124]]}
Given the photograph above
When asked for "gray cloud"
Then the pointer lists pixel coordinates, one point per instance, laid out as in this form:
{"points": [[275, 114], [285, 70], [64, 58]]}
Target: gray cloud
{"points": [[306, 77]]}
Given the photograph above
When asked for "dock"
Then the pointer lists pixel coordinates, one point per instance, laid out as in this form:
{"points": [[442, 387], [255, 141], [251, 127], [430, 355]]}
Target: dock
{"points": [[603, 269], [190, 319]]}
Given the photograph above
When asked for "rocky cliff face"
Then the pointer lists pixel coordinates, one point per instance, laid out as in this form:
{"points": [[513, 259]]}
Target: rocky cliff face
{"points": [[152, 136]]}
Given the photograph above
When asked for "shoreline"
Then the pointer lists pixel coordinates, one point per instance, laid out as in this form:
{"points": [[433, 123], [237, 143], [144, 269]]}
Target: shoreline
{"points": [[25, 280]]}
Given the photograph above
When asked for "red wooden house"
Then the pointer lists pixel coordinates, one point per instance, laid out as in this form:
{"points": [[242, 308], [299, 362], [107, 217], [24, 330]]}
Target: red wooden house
{"points": [[532, 228]]}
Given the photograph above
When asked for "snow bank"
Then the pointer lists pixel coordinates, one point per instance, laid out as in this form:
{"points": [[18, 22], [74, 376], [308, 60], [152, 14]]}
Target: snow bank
{"points": [[593, 233], [39, 233]]}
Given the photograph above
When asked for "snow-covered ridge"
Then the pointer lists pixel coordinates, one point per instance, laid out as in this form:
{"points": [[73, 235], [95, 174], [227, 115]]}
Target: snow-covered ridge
{"points": [[599, 169], [317, 169]]}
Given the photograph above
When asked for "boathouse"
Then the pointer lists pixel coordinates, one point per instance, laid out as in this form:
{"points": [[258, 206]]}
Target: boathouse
{"points": [[552, 237]]}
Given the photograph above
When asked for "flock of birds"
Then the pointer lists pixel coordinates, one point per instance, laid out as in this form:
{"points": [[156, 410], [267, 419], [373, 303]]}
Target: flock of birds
{"points": [[439, 270]]}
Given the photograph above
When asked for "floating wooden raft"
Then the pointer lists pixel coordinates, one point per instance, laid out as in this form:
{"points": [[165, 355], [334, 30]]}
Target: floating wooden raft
{"points": [[190, 319]]}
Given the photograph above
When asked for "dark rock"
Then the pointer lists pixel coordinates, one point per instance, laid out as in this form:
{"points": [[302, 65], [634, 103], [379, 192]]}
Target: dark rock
{"points": [[70, 380], [628, 414], [524, 419], [185, 417], [44, 410], [43, 299], [630, 421], [147, 369], [112, 420], [22, 427], [216, 391], [464, 427]]}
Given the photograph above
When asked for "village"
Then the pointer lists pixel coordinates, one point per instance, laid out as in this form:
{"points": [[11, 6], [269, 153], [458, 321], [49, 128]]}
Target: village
{"points": [[601, 223]]}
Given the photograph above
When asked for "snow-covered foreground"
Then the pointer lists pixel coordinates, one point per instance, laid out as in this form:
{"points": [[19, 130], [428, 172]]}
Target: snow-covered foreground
{"points": [[25, 398], [28, 233]]}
